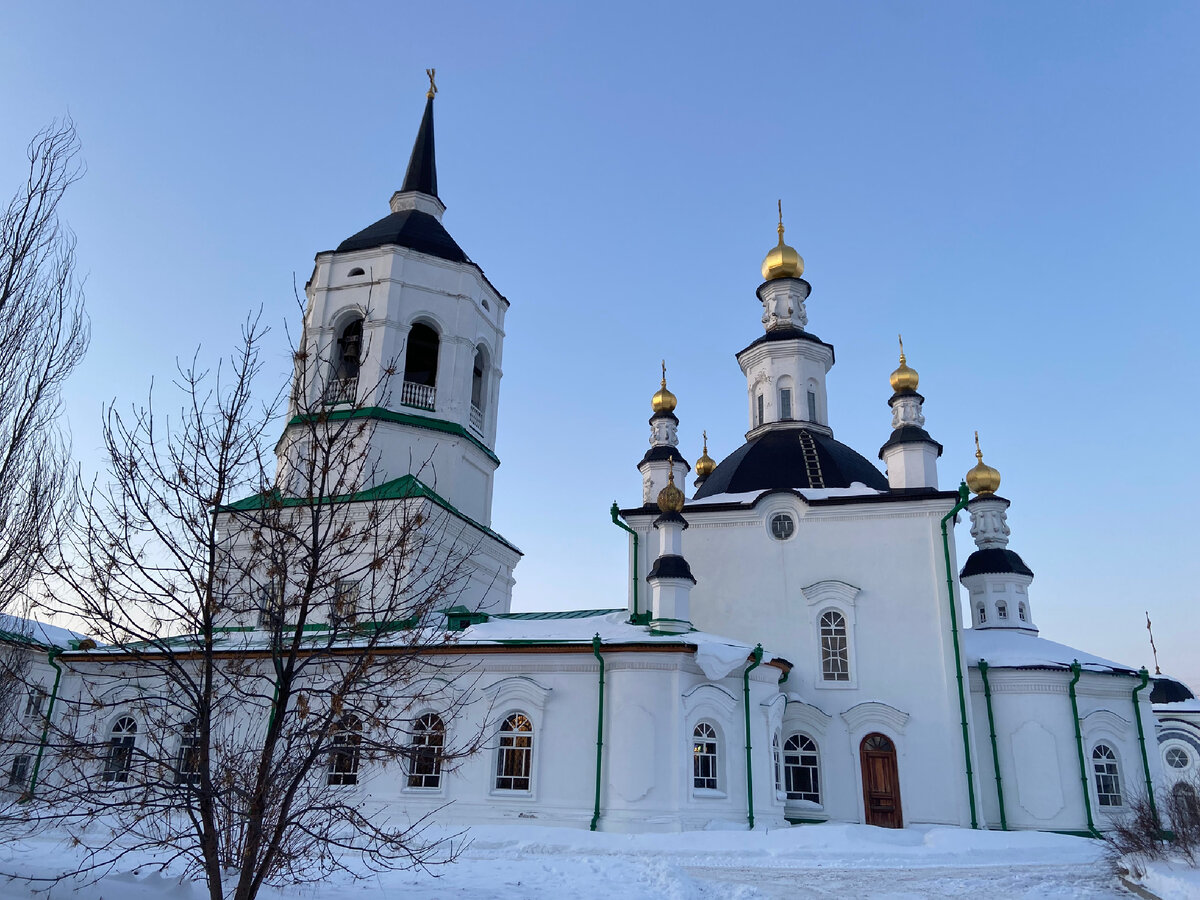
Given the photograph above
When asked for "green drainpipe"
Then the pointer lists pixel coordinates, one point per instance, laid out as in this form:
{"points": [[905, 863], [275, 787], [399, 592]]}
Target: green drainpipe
{"points": [[1137, 715], [987, 696], [37, 764], [1077, 670], [599, 728], [758, 655], [963, 496], [616, 517]]}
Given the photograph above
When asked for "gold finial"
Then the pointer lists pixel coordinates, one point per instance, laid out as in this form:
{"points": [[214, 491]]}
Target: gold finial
{"points": [[432, 87], [904, 379], [663, 400], [782, 261], [670, 498], [705, 464], [982, 479]]}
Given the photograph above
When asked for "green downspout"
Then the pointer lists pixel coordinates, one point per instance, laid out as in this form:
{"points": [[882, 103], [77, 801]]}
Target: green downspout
{"points": [[1077, 670], [616, 517], [37, 764], [1137, 715], [599, 728], [963, 496], [987, 696], [758, 655]]}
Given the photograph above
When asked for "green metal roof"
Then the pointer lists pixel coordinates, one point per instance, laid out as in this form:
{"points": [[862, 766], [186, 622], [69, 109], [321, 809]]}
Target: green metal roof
{"points": [[557, 614], [387, 415]]}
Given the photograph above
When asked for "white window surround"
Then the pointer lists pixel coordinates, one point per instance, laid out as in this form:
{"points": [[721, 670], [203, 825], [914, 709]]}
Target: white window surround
{"points": [[803, 748], [718, 762], [718, 707], [503, 745], [864, 718], [801, 716], [832, 596], [419, 737], [1107, 771]]}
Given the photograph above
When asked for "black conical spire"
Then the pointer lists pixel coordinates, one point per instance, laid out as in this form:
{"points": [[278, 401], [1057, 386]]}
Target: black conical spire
{"points": [[422, 167]]}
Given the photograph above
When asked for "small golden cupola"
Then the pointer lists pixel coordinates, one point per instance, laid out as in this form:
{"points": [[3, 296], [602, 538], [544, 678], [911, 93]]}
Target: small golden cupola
{"points": [[782, 261], [670, 498], [705, 464], [904, 379], [983, 480], [663, 400]]}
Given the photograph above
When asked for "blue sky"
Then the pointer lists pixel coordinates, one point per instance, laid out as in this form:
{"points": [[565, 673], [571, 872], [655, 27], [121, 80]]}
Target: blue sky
{"points": [[1014, 186]]}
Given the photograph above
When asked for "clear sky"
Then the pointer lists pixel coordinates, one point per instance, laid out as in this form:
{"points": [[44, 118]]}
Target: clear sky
{"points": [[1014, 186]]}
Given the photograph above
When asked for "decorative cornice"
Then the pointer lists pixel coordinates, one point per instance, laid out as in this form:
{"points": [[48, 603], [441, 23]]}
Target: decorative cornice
{"points": [[873, 712]]}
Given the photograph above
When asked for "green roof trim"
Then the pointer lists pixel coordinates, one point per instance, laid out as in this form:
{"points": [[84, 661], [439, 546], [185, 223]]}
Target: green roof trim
{"points": [[407, 487], [557, 614], [15, 637], [387, 415]]}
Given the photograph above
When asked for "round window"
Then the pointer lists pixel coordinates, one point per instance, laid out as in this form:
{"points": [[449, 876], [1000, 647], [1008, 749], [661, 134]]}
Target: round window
{"points": [[1176, 757], [782, 526]]}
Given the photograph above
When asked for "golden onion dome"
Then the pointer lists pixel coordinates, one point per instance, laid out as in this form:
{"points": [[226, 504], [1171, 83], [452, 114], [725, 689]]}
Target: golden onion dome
{"points": [[782, 261], [904, 378], [663, 400], [705, 464], [670, 498], [982, 479]]}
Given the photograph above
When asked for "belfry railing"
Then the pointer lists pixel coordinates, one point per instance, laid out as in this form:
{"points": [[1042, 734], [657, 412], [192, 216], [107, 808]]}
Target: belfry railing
{"points": [[421, 396]]}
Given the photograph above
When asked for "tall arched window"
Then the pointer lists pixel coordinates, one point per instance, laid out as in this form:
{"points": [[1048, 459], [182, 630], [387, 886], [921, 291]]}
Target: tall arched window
{"points": [[420, 367], [479, 387], [705, 758], [514, 754], [801, 775], [346, 753], [777, 759], [187, 761], [425, 752], [347, 360], [835, 647], [1108, 775], [121, 741], [1186, 805]]}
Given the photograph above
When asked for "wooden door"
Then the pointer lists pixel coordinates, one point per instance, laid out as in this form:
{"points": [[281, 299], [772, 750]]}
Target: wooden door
{"points": [[881, 782]]}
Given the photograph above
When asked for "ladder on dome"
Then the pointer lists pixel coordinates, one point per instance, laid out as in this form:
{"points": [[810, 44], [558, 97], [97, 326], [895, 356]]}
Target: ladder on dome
{"points": [[812, 463]]}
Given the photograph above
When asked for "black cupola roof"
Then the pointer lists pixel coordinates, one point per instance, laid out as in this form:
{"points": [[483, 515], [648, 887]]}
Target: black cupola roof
{"points": [[422, 165], [1168, 690], [791, 458], [995, 561]]}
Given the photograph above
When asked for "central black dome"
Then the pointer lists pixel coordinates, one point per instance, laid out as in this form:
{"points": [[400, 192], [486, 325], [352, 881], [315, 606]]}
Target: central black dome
{"points": [[791, 458]]}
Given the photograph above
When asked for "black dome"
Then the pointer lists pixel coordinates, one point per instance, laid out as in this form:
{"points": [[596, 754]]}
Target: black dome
{"points": [[792, 458], [1168, 690], [995, 560], [408, 228]]}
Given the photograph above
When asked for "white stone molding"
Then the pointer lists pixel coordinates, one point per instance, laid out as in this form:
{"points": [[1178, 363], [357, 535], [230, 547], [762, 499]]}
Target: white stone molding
{"points": [[801, 716], [517, 691], [1104, 722], [835, 593], [426, 203], [906, 410], [773, 709], [989, 522], [871, 713], [1039, 784], [708, 701]]}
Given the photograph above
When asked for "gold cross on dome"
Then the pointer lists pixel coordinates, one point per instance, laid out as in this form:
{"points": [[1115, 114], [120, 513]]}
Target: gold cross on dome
{"points": [[432, 87]]}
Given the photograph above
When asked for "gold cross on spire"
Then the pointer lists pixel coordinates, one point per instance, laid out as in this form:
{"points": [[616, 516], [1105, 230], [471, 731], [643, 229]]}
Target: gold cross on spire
{"points": [[664, 371], [432, 87]]}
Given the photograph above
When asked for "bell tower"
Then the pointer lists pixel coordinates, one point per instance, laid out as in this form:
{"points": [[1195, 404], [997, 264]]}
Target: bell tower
{"points": [[404, 331]]}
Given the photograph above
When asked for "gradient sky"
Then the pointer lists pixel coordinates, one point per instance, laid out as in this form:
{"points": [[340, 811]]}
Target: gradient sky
{"points": [[1014, 186]]}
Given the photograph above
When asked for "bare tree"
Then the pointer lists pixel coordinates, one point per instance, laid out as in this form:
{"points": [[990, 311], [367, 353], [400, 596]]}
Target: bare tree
{"points": [[43, 336], [269, 641]]}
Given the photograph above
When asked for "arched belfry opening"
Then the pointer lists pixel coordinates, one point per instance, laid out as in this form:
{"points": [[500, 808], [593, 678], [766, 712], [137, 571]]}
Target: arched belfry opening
{"points": [[347, 360], [479, 387], [420, 368]]}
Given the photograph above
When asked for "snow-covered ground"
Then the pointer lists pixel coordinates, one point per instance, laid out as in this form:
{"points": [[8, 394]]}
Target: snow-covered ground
{"points": [[524, 861], [1171, 880]]}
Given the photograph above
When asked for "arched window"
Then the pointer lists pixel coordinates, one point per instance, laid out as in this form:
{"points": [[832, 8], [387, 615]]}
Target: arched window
{"points": [[514, 754], [760, 413], [346, 753], [1108, 776], [425, 752], [705, 757], [347, 360], [1186, 805], [982, 614], [357, 270], [187, 761], [479, 387], [777, 759], [121, 741], [835, 648], [420, 367], [812, 405], [786, 399], [801, 777], [1001, 610]]}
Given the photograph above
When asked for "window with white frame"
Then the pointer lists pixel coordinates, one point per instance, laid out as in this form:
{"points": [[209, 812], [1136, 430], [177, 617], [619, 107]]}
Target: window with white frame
{"points": [[1021, 612], [425, 751], [514, 754], [118, 761], [18, 774], [782, 526], [801, 776], [1108, 775], [1001, 610], [777, 759], [759, 417], [835, 647], [785, 403], [35, 703], [343, 609], [270, 604], [1176, 757], [982, 614], [187, 760], [812, 406], [346, 755], [705, 758]]}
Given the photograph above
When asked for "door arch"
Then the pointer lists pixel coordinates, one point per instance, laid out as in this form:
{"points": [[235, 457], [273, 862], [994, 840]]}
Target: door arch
{"points": [[880, 781]]}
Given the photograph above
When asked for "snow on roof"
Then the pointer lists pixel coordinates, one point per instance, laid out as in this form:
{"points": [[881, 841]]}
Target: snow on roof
{"points": [[29, 631], [857, 489], [1013, 650], [1182, 706]]}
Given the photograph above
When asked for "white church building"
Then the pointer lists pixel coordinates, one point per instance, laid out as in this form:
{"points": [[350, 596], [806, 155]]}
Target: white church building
{"points": [[800, 641]]}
